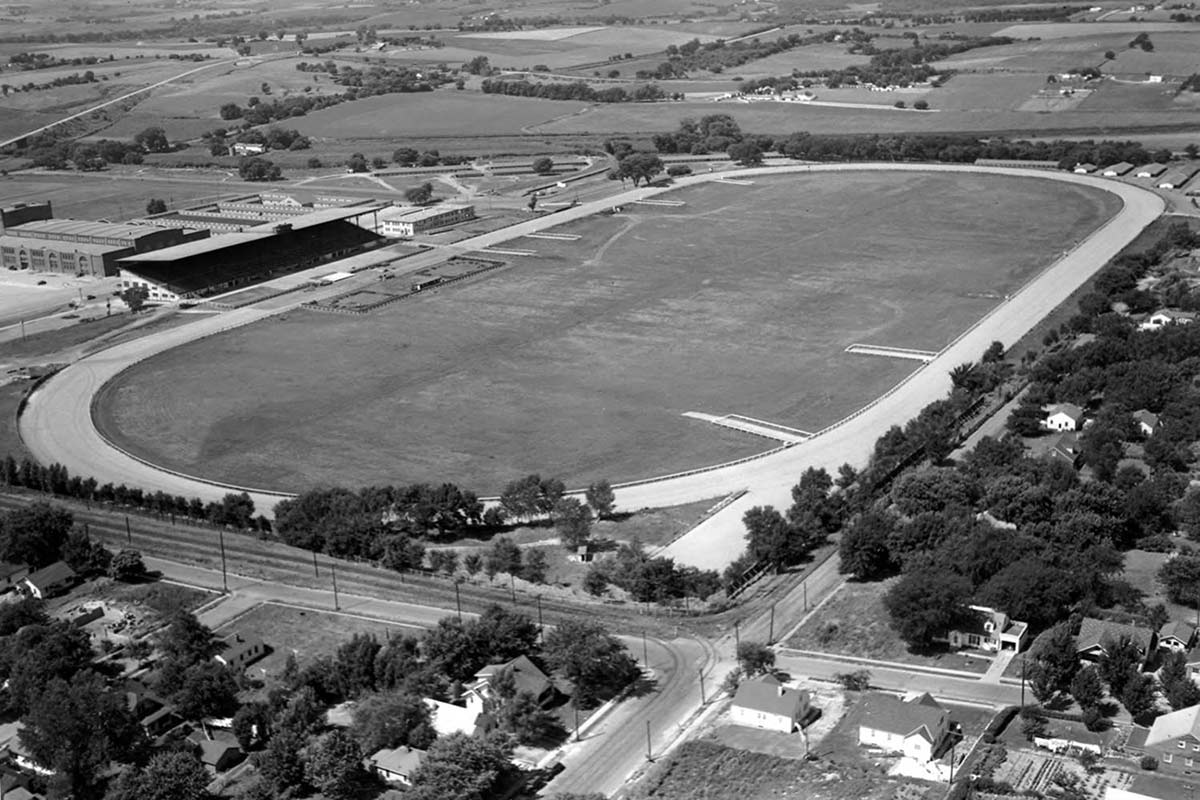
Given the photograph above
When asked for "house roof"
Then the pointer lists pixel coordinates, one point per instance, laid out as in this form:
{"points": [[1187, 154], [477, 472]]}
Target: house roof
{"points": [[1174, 314], [238, 646], [1177, 630], [921, 715], [401, 760], [1152, 169], [1168, 727], [449, 718], [1070, 409], [526, 675], [212, 751], [1120, 168], [766, 694], [56, 573], [1093, 632], [1149, 418], [1085, 165]]}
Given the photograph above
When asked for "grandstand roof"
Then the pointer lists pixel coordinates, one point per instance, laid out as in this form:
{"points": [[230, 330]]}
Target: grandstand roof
{"points": [[320, 217], [77, 227], [212, 244]]}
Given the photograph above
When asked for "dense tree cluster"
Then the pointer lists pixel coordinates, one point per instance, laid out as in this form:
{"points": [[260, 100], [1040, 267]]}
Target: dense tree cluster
{"points": [[572, 90], [650, 579]]}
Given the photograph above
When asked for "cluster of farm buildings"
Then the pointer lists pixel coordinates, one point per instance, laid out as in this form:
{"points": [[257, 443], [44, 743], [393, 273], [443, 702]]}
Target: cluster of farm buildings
{"points": [[213, 247]]}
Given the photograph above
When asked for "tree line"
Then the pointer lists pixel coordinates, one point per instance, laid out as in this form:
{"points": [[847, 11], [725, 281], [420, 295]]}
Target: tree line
{"points": [[573, 90]]}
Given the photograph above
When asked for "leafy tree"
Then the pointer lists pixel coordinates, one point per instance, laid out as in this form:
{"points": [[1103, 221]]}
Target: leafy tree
{"points": [[1178, 687], [255, 169], [864, 549], [207, 689], [601, 498], [1033, 722], [746, 153], [925, 603], [543, 165], [156, 205], [1180, 576], [522, 716], [535, 565], [37, 655], [281, 764], [857, 681], [231, 111], [187, 640], [77, 728], [405, 156], [1138, 694], [772, 539], [505, 556], [23, 612], [573, 522], [170, 775], [1030, 590], [419, 195], [1055, 653], [127, 566], [639, 166], [391, 719], [153, 139], [1086, 687], [252, 725], [755, 658], [302, 716], [594, 661], [1120, 661], [34, 534], [335, 765], [459, 767]]}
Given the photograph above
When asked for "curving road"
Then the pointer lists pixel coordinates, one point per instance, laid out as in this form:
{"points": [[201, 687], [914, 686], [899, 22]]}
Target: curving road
{"points": [[57, 425]]}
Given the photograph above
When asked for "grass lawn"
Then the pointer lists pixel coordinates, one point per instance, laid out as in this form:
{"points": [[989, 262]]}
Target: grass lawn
{"points": [[1141, 571], [580, 361], [50, 342], [306, 633], [115, 194], [10, 438], [855, 623]]}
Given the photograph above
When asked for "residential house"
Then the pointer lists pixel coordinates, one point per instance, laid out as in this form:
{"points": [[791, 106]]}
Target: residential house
{"points": [[913, 727], [1165, 317], [1148, 422], [1065, 447], [1096, 634], [448, 718], [1178, 637], [1174, 739], [49, 581], [217, 753], [248, 148], [764, 702], [1063, 417], [21, 756], [1116, 170], [20, 793], [397, 765], [1152, 170], [1085, 168], [526, 677], [1193, 663], [11, 575], [153, 713], [239, 651], [989, 630]]}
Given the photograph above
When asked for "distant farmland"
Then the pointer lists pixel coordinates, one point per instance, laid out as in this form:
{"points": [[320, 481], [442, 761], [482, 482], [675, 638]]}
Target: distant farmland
{"points": [[580, 361]]}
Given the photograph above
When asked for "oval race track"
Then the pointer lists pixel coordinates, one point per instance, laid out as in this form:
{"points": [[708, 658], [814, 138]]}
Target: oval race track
{"points": [[57, 423]]}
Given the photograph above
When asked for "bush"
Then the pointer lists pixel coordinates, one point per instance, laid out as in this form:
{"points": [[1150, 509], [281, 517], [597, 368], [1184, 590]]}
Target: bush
{"points": [[921, 105], [1001, 721], [675, 170], [1148, 763]]}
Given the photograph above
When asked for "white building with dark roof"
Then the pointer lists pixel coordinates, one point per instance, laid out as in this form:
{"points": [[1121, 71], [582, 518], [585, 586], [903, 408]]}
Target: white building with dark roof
{"points": [[764, 702], [914, 728]]}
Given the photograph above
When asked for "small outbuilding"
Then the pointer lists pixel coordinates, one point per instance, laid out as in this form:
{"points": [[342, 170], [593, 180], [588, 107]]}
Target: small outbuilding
{"points": [[1085, 168], [1117, 170], [1152, 170], [240, 651], [1063, 417], [49, 581], [397, 765]]}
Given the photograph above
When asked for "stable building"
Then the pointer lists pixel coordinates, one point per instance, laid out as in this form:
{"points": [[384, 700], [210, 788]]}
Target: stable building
{"points": [[79, 247], [258, 253], [404, 221]]}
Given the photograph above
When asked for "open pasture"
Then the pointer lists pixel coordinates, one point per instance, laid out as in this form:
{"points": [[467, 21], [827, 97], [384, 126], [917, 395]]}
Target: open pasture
{"points": [[115, 195], [813, 57], [580, 361], [203, 94], [1069, 30], [441, 113]]}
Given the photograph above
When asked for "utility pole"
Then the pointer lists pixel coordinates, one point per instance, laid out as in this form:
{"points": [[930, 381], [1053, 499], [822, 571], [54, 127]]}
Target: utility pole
{"points": [[1022, 680], [805, 586], [575, 707], [512, 588], [333, 573], [649, 752], [541, 630], [737, 634], [771, 627], [702, 698], [128, 532], [316, 572], [457, 600], [645, 652], [224, 575]]}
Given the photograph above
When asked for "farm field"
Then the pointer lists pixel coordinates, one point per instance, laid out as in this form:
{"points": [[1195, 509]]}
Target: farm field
{"points": [[580, 361], [105, 196], [812, 57], [441, 113]]}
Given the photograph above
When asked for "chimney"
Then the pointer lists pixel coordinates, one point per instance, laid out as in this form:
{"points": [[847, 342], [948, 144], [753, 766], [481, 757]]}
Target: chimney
{"points": [[781, 690]]}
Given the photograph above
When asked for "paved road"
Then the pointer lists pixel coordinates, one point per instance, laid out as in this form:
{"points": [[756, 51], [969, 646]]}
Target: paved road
{"points": [[57, 426]]}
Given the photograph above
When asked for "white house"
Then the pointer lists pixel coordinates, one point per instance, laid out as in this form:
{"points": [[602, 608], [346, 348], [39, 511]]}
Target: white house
{"points": [[397, 765], [1165, 317], [990, 630], [248, 148], [764, 702], [448, 719], [239, 651], [914, 727], [48, 581], [1063, 417], [1148, 422], [1176, 636], [1085, 168]]}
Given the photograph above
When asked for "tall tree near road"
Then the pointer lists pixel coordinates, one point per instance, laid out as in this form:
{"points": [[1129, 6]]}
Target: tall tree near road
{"points": [[601, 498], [639, 166], [594, 661], [925, 603], [573, 522]]}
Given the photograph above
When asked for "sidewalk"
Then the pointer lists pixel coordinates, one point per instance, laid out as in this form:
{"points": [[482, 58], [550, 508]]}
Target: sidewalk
{"points": [[870, 662], [999, 665]]}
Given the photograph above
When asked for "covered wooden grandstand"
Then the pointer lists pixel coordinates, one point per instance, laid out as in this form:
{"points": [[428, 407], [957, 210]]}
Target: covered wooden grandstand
{"points": [[258, 253]]}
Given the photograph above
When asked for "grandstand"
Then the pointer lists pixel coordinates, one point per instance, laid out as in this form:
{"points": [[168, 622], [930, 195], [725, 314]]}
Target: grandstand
{"points": [[257, 253], [237, 214]]}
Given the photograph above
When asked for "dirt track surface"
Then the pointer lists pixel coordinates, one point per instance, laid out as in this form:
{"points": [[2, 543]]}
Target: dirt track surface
{"points": [[57, 425]]}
